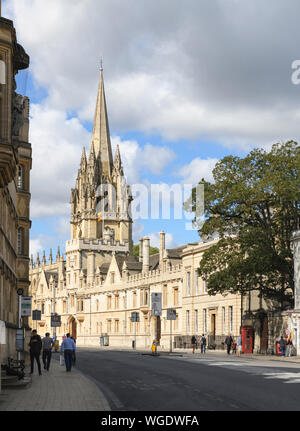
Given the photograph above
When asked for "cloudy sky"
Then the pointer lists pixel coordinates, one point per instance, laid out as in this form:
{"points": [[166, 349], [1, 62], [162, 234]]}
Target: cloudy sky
{"points": [[187, 82]]}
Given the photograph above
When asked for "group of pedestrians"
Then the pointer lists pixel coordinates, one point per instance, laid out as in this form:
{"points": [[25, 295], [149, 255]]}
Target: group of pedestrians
{"points": [[45, 345], [285, 346], [202, 343], [235, 346]]}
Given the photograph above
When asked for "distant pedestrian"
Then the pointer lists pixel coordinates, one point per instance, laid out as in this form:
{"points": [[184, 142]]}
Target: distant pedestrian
{"points": [[228, 342], [282, 345], [289, 346], [35, 345], [203, 344], [239, 343], [194, 343], [233, 346], [67, 348], [47, 344]]}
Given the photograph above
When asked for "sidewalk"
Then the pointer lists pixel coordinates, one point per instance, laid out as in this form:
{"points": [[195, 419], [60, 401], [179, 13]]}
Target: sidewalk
{"points": [[55, 390]]}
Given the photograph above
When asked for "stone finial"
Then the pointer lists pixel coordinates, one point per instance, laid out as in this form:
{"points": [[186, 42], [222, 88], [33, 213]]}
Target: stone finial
{"points": [[38, 259], [58, 254], [44, 258], [50, 257]]}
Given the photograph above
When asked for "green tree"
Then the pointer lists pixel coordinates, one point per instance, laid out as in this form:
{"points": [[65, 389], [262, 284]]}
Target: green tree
{"points": [[254, 206], [136, 250]]}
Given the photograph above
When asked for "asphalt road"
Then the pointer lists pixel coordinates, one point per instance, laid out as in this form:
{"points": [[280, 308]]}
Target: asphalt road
{"points": [[132, 381]]}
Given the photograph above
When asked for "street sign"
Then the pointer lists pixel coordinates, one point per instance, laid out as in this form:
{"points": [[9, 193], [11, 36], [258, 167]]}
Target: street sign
{"points": [[19, 340], [55, 320], [26, 305], [135, 317], [156, 304], [36, 315], [20, 291], [171, 314]]}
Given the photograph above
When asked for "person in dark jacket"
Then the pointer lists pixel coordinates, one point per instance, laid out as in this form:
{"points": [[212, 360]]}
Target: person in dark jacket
{"points": [[47, 344], [228, 342], [35, 345], [194, 343]]}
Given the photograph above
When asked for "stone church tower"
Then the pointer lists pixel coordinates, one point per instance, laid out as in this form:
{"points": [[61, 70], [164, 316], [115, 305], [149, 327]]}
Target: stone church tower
{"points": [[100, 223]]}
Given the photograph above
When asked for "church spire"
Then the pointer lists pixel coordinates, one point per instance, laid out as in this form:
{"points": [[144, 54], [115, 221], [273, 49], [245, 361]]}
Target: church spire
{"points": [[83, 159], [101, 136]]}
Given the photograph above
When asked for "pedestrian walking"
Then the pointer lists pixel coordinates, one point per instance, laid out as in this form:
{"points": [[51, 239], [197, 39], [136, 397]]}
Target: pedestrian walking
{"points": [[203, 344], [67, 348], [289, 346], [239, 343], [47, 344], [35, 345], [193, 343], [233, 346], [282, 345], [228, 342]]}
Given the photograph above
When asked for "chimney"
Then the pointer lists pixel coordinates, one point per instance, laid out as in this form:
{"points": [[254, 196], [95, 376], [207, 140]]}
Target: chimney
{"points": [[162, 246], [146, 254], [91, 264], [61, 268], [141, 250]]}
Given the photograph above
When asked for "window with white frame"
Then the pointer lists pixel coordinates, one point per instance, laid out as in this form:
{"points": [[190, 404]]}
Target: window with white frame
{"points": [[230, 318], [2, 72], [20, 177], [205, 321], [20, 241], [188, 283], [188, 321], [204, 286], [196, 283], [196, 321], [223, 320]]}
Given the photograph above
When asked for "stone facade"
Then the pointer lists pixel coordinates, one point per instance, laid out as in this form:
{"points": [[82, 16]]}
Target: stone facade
{"points": [[15, 165], [100, 283]]}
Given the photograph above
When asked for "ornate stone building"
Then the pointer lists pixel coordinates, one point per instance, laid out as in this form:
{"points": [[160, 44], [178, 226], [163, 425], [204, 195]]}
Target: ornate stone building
{"points": [[15, 165], [100, 283]]}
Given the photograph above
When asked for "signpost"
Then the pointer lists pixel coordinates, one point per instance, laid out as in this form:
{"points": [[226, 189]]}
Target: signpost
{"points": [[36, 315], [26, 302], [55, 320], [135, 317], [171, 315], [157, 312]]}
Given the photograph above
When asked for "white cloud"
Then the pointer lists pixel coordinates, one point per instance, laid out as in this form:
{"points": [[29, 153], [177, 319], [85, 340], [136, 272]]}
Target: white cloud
{"points": [[136, 159], [207, 71], [155, 240], [57, 144]]}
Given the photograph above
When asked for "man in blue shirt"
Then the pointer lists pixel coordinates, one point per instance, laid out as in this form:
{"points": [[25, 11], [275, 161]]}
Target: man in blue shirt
{"points": [[67, 348]]}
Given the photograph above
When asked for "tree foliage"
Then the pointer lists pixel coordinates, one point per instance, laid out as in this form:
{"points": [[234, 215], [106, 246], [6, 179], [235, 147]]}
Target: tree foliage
{"points": [[136, 250], [254, 206]]}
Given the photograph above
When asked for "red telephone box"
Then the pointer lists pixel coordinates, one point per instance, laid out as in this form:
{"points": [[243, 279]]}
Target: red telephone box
{"points": [[247, 339]]}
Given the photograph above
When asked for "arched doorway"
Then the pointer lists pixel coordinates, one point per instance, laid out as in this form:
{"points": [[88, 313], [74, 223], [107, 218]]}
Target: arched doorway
{"points": [[73, 327]]}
